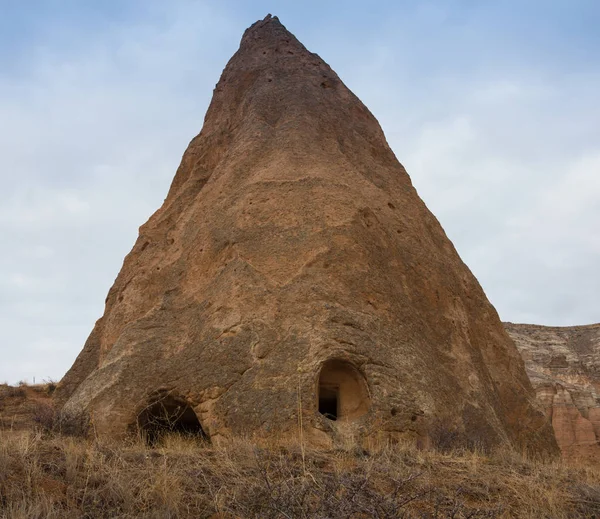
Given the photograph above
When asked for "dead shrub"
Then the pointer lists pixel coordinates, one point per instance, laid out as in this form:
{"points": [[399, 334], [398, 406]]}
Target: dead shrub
{"points": [[75, 425], [50, 387], [44, 416], [586, 499], [72, 424], [15, 391], [447, 436]]}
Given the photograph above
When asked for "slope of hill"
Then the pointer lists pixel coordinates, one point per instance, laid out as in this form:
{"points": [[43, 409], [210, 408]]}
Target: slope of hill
{"points": [[46, 474], [563, 364]]}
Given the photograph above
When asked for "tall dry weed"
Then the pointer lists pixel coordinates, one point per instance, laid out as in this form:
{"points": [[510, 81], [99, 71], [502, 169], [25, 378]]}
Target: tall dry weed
{"points": [[50, 475]]}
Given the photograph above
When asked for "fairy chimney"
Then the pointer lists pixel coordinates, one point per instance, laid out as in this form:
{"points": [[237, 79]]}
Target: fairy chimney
{"points": [[293, 277]]}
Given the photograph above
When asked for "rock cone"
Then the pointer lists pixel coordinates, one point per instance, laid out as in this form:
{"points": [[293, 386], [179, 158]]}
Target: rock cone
{"points": [[293, 267]]}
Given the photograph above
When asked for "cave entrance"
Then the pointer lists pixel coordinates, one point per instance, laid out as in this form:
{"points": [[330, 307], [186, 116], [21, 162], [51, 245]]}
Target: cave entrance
{"points": [[169, 414], [342, 392], [328, 402]]}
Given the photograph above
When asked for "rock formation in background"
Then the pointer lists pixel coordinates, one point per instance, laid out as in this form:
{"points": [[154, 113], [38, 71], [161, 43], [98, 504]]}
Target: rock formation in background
{"points": [[563, 364], [294, 283]]}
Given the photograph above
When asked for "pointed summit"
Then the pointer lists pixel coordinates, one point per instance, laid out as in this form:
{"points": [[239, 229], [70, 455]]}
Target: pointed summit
{"points": [[269, 29], [276, 97], [293, 266]]}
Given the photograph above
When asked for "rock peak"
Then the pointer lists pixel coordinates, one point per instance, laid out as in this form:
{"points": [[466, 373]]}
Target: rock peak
{"points": [[293, 262], [265, 22], [269, 29]]}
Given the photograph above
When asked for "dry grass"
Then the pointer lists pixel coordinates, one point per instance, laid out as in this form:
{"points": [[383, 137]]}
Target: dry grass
{"points": [[47, 471], [53, 476]]}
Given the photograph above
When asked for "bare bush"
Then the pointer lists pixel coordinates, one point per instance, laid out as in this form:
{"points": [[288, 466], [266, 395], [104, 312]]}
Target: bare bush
{"points": [[44, 416], [447, 436], [15, 391], [60, 422], [72, 424]]}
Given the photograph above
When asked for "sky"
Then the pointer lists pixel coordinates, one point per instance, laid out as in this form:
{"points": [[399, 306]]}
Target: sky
{"points": [[492, 106]]}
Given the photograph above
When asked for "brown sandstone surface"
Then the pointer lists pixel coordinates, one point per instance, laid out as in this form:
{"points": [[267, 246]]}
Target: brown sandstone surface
{"points": [[563, 364], [293, 244]]}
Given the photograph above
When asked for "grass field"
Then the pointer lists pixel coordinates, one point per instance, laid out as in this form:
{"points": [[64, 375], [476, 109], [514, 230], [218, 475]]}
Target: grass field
{"points": [[46, 474]]}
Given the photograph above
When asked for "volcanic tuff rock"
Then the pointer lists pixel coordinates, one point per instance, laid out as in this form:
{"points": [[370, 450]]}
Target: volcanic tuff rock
{"points": [[293, 267], [563, 364]]}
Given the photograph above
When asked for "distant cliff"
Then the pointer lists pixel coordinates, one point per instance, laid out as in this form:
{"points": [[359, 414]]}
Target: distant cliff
{"points": [[563, 364]]}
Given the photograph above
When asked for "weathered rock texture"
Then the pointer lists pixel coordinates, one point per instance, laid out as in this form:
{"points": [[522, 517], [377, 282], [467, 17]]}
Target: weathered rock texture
{"points": [[563, 365], [292, 236]]}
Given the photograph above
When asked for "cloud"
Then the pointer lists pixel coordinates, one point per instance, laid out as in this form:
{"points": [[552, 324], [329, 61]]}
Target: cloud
{"points": [[519, 198], [95, 133]]}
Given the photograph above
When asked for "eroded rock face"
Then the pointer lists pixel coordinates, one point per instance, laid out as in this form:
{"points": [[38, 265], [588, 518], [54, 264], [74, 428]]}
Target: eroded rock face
{"points": [[563, 364], [292, 238]]}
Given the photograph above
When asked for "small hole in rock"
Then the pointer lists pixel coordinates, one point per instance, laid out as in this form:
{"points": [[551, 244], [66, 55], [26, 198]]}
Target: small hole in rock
{"points": [[394, 411], [413, 418], [391, 206]]}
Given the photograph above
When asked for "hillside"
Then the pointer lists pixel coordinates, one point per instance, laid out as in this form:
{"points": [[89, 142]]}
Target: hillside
{"points": [[563, 364]]}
